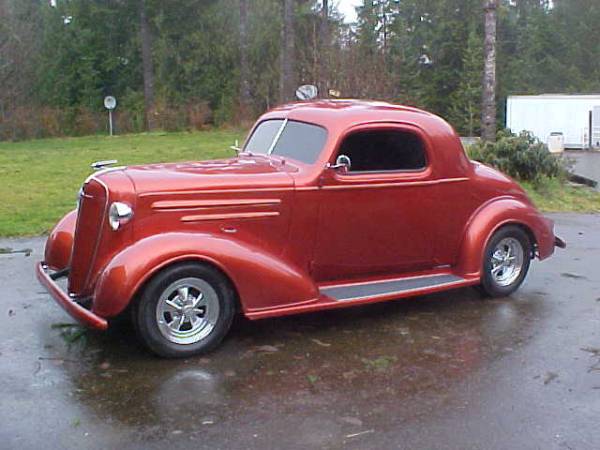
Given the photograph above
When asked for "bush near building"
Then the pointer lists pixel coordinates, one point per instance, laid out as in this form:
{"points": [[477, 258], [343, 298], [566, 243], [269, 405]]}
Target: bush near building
{"points": [[521, 156]]}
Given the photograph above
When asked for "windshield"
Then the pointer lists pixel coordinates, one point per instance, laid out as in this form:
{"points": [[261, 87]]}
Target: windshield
{"points": [[288, 138]]}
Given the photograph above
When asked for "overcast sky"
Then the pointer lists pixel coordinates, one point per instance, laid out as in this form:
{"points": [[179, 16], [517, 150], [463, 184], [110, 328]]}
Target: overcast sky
{"points": [[346, 7]]}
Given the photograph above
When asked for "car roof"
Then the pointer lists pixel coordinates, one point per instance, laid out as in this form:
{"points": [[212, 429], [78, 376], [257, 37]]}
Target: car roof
{"points": [[348, 109], [343, 113], [340, 115], [347, 105]]}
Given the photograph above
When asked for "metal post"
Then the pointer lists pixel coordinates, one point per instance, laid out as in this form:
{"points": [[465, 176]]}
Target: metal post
{"points": [[110, 103], [590, 131]]}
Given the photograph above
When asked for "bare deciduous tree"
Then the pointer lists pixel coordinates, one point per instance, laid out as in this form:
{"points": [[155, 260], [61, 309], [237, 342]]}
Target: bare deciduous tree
{"points": [[324, 53], [147, 65], [287, 80], [244, 69], [488, 103], [18, 45]]}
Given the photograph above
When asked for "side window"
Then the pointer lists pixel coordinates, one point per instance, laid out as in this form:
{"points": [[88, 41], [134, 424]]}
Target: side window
{"points": [[301, 141], [384, 150]]}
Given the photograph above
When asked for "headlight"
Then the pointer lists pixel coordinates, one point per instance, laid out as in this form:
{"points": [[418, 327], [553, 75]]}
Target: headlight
{"points": [[119, 214]]}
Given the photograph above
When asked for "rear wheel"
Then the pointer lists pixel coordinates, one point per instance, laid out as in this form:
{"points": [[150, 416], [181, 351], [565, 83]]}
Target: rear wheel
{"points": [[506, 261], [185, 310]]}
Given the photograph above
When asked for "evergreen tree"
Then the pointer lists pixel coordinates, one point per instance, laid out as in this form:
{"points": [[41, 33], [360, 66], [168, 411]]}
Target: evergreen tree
{"points": [[226, 55], [465, 102]]}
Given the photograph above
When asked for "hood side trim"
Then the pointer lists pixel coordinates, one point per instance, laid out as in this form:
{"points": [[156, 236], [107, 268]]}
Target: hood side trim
{"points": [[195, 204], [247, 215]]}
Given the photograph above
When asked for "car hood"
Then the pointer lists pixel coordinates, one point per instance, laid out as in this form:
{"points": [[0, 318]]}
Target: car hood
{"points": [[249, 172]]}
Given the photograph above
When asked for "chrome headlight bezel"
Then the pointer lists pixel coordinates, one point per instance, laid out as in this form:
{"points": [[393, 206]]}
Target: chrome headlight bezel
{"points": [[79, 197], [119, 214]]}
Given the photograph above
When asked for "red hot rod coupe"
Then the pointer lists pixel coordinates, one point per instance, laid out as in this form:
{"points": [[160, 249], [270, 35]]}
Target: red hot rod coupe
{"points": [[329, 204]]}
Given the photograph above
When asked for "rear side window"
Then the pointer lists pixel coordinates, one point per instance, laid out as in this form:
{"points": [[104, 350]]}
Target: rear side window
{"points": [[384, 150]]}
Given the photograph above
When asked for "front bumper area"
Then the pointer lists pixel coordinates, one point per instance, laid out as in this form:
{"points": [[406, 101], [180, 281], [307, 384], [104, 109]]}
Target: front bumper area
{"points": [[78, 312]]}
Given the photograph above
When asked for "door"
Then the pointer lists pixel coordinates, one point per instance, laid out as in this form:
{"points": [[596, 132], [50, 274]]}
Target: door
{"points": [[375, 217]]}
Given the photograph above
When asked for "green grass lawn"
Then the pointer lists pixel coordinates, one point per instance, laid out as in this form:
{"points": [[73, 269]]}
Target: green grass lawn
{"points": [[552, 195], [39, 179]]}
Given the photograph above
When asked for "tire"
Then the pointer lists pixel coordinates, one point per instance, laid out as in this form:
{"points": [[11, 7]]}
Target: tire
{"points": [[172, 327], [501, 276]]}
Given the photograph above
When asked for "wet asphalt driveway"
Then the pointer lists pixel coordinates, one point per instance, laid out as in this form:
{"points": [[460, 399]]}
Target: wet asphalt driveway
{"points": [[446, 371]]}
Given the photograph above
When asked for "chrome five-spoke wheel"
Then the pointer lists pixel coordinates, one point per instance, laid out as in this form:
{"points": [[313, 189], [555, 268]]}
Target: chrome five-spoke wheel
{"points": [[187, 311], [506, 261]]}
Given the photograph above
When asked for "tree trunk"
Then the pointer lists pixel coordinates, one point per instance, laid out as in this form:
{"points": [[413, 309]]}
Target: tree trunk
{"points": [[147, 66], [488, 103], [244, 69], [287, 81], [324, 56]]}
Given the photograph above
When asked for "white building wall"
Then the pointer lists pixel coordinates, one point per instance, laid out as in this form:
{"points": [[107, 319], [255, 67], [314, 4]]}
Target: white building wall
{"points": [[545, 114]]}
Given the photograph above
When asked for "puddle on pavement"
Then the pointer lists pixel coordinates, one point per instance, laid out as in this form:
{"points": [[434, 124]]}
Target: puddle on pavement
{"points": [[358, 364]]}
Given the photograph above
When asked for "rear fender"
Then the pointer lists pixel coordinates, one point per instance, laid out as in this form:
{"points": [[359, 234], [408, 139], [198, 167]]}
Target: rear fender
{"points": [[489, 218], [261, 280]]}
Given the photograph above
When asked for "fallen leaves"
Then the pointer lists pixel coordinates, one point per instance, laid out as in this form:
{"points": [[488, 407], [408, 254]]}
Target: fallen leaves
{"points": [[266, 348], [321, 343], [70, 332], [550, 376], [573, 275], [261, 349], [379, 364], [10, 251], [352, 420], [593, 350], [360, 433]]}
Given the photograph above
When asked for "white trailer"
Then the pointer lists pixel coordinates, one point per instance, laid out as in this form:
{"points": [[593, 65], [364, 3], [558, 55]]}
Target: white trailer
{"points": [[577, 117]]}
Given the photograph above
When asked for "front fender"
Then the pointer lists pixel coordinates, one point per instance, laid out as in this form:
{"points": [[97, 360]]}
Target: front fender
{"points": [[262, 280], [493, 215], [59, 245]]}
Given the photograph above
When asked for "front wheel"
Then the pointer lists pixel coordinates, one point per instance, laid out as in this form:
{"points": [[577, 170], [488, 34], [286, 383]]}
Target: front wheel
{"points": [[506, 261], [185, 310]]}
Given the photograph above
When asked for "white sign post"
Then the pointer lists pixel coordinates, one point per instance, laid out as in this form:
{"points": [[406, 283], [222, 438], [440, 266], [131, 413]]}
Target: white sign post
{"points": [[110, 103]]}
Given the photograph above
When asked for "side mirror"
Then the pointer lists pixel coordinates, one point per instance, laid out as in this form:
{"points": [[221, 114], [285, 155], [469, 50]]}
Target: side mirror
{"points": [[341, 162]]}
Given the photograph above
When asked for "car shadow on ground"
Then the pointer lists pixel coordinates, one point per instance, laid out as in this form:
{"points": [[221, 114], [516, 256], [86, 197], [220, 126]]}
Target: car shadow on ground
{"points": [[409, 350]]}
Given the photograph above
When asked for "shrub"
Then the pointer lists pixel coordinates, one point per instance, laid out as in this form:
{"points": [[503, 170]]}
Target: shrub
{"points": [[40, 122], [521, 156]]}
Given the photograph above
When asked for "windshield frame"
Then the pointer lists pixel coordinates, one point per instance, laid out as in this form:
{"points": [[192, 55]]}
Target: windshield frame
{"points": [[277, 136]]}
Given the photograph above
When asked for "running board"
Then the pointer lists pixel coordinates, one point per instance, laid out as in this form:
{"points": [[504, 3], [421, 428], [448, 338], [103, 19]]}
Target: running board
{"points": [[358, 291]]}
